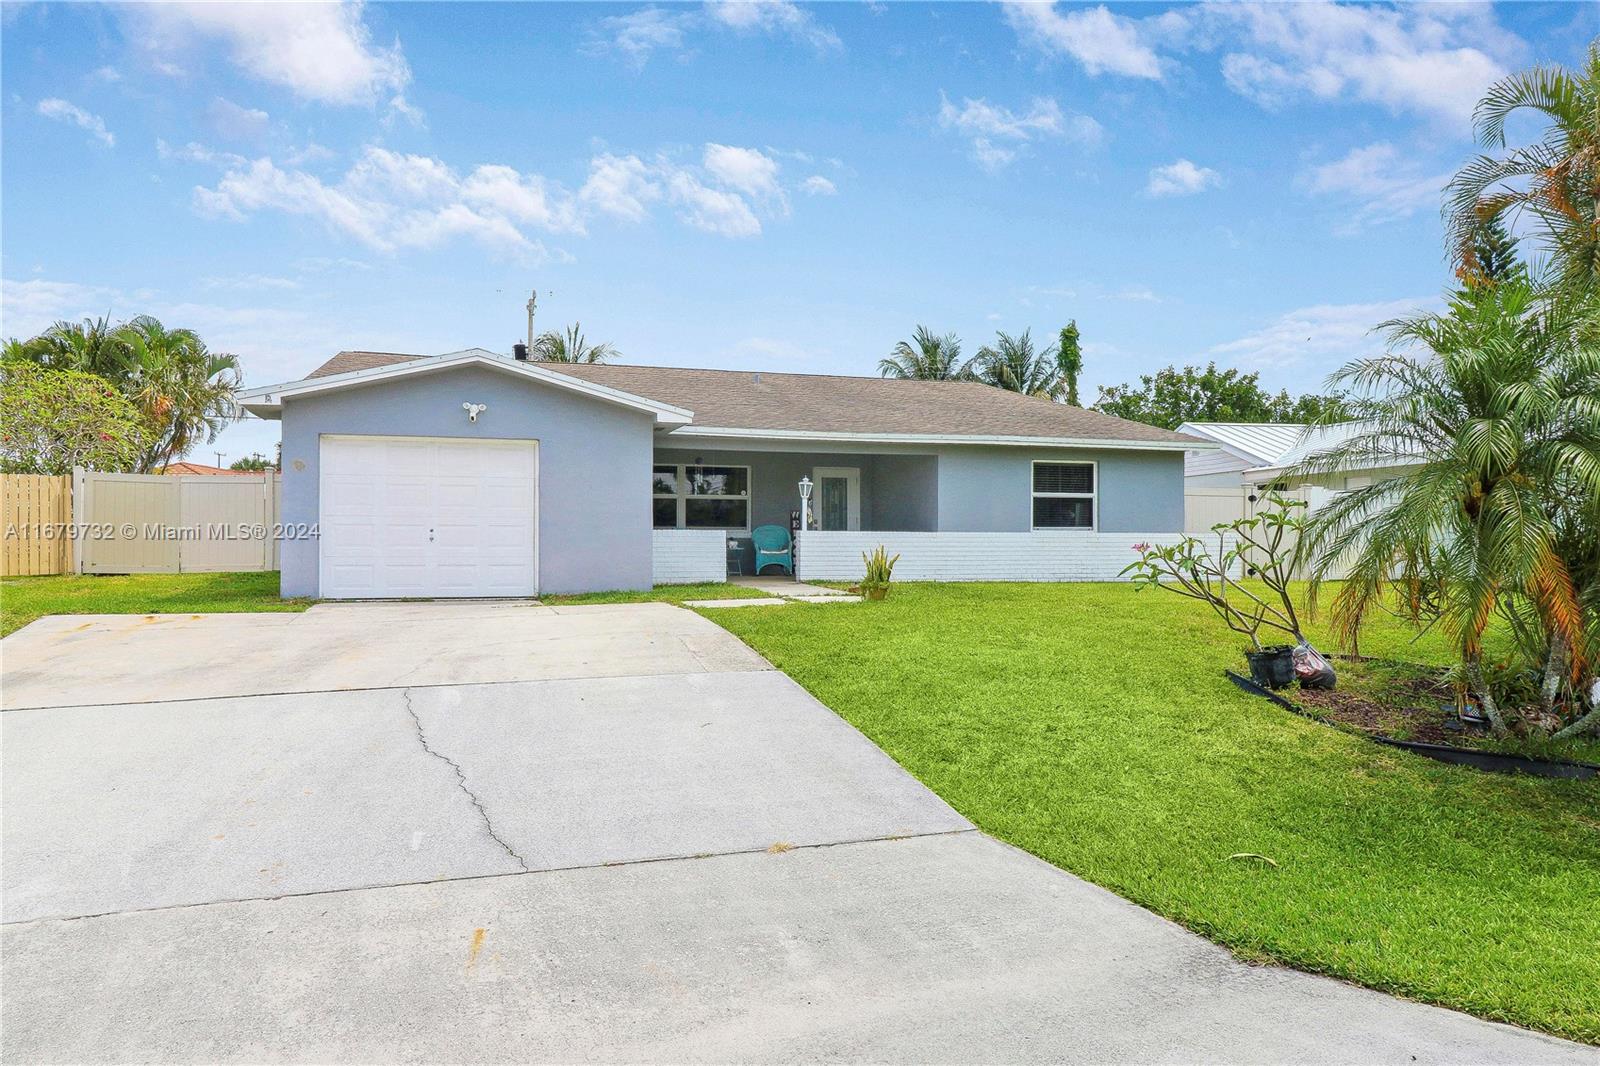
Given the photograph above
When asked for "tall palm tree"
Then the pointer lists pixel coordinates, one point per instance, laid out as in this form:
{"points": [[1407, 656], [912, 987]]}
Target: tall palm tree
{"points": [[1497, 510], [927, 356], [572, 347], [184, 390], [1013, 364], [89, 346], [1069, 360], [1556, 179]]}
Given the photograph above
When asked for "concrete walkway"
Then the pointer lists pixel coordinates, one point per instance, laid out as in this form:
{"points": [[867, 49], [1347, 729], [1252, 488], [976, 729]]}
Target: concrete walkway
{"points": [[779, 590], [626, 840]]}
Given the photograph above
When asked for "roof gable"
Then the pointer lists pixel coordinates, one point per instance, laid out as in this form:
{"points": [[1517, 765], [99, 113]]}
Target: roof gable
{"points": [[268, 401]]}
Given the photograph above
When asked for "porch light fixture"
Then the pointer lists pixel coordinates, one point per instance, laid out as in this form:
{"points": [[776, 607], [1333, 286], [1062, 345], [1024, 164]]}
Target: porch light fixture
{"points": [[474, 410], [806, 521]]}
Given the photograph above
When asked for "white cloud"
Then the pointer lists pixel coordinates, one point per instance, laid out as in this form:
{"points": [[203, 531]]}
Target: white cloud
{"points": [[194, 152], [526, 199], [318, 51], [1379, 183], [63, 111], [390, 200], [987, 125], [237, 123], [28, 308], [1317, 338], [817, 185], [310, 152], [713, 210], [400, 110], [639, 34], [1101, 41], [745, 170], [620, 186], [108, 74], [1428, 59], [773, 17], [1180, 178]]}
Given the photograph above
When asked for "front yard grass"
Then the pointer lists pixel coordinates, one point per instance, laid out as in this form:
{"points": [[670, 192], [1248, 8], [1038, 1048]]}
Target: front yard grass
{"points": [[1091, 725], [22, 599]]}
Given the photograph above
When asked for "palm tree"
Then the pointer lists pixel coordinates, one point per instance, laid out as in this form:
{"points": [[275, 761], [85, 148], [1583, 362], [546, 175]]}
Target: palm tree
{"points": [[89, 346], [184, 391], [1069, 360], [1497, 511], [925, 357], [1013, 365], [571, 347], [1555, 179]]}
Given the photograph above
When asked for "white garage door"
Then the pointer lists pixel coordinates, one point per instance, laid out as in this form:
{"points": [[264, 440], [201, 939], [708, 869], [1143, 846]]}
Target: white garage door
{"points": [[426, 516]]}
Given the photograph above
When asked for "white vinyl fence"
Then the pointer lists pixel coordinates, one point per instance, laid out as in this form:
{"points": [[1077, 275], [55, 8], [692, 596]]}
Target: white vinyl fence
{"points": [[1054, 556], [169, 524], [1206, 507], [688, 556]]}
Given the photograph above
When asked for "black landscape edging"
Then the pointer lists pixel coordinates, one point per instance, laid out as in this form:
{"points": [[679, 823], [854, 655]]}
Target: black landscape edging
{"points": [[1473, 758]]}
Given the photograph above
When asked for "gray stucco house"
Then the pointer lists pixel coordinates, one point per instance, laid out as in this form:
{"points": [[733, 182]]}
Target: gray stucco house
{"points": [[477, 474]]}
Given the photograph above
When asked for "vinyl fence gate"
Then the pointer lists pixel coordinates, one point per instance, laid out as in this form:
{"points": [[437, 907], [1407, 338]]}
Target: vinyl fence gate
{"points": [[171, 524]]}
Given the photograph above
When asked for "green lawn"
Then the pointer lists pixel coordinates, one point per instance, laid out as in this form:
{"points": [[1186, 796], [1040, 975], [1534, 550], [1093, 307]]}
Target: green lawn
{"points": [[662, 594], [1091, 725], [22, 599]]}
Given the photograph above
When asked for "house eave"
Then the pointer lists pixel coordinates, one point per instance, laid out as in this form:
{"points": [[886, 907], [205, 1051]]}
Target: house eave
{"points": [[692, 433]]}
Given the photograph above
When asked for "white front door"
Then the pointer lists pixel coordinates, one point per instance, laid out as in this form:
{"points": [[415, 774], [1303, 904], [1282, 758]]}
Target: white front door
{"points": [[837, 497], [427, 516]]}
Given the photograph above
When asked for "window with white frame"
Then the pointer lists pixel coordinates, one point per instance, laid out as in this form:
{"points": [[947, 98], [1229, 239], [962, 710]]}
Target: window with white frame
{"points": [[686, 496], [1063, 495]]}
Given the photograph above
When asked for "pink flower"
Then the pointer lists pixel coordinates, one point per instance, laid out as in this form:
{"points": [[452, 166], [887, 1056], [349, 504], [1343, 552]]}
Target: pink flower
{"points": [[1141, 548]]}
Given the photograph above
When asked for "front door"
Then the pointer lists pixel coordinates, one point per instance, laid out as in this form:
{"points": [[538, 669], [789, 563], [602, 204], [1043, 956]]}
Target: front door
{"points": [[838, 497]]}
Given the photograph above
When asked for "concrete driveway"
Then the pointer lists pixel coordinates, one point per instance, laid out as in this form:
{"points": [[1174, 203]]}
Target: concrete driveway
{"points": [[502, 832]]}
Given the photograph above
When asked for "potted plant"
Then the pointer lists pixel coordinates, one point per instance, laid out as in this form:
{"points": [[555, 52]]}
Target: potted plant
{"points": [[880, 568], [1266, 546]]}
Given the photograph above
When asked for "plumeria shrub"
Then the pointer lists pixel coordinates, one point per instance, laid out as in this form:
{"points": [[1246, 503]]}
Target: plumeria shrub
{"points": [[1265, 545]]}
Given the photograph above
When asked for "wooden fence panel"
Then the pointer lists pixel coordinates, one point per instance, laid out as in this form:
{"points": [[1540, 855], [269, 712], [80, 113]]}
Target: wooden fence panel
{"points": [[35, 516]]}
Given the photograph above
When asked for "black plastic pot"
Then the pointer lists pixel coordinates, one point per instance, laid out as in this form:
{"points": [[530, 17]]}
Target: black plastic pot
{"points": [[1273, 666]]}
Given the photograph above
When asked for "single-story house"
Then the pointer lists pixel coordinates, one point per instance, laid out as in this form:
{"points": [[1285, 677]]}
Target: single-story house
{"points": [[478, 474], [1257, 458]]}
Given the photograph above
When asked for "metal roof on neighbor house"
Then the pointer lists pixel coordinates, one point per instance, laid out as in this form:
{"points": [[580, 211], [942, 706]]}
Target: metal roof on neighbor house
{"points": [[832, 403], [1262, 443]]}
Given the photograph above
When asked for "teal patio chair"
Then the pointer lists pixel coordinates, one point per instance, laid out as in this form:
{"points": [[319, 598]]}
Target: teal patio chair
{"points": [[773, 548]]}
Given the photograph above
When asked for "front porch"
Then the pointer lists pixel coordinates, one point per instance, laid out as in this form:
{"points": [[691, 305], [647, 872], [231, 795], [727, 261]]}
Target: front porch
{"points": [[732, 493]]}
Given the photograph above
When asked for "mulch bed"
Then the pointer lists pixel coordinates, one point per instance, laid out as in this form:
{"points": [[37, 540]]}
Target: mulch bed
{"points": [[1404, 703]]}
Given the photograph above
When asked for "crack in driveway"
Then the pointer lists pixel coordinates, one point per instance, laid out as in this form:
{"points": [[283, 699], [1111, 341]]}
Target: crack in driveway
{"points": [[461, 780]]}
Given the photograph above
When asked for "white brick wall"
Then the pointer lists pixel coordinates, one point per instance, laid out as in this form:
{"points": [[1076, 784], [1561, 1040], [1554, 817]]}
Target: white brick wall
{"points": [[1064, 556], [684, 556]]}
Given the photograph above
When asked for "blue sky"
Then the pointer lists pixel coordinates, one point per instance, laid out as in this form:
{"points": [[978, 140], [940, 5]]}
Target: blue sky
{"points": [[771, 185]]}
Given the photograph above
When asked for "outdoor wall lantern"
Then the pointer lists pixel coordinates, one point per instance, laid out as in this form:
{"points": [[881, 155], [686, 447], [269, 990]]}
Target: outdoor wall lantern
{"points": [[474, 410], [805, 502]]}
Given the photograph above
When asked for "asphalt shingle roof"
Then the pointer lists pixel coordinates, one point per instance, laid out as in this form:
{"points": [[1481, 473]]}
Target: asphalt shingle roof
{"points": [[833, 403]]}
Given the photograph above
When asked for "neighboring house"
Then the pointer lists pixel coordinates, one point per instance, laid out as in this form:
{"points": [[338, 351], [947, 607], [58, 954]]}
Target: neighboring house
{"points": [[201, 468], [1253, 459], [1240, 446], [476, 474]]}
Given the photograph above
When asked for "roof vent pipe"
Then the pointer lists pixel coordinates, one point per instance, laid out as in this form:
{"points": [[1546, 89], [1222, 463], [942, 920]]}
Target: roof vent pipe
{"points": [[519, 351]]}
